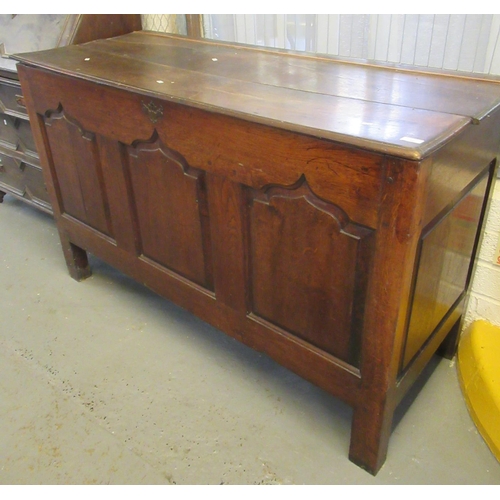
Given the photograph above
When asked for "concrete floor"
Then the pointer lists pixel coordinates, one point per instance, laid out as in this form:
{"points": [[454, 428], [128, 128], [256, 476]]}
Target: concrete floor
{"points": [[103, 382]]}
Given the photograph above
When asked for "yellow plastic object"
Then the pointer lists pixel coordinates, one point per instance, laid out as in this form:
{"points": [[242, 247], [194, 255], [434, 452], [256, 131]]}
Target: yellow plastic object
{"points": [[479, 374]]}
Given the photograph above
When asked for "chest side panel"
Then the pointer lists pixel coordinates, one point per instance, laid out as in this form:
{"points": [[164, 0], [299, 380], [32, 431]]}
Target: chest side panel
{"points": [[457, 192]]}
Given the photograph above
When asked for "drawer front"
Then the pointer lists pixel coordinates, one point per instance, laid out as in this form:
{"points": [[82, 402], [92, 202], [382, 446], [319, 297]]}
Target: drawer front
{"points": [[16, 134], [24, 180], [12, 174], [8, 131], [11, 99]]}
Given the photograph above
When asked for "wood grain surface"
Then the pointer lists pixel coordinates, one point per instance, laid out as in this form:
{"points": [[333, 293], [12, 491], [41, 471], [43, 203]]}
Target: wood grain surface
{"points": [[341, 101]]}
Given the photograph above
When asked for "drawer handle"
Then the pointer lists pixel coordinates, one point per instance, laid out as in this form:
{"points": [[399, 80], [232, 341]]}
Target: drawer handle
{"points": [[155, 112], [20, 101]]}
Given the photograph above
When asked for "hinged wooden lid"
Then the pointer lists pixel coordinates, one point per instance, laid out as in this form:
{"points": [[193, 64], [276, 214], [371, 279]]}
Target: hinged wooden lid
{"points": [[400, 111]]}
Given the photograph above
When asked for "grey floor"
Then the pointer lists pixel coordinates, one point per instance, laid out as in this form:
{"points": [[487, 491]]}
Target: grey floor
{"points": [[103, 382]]}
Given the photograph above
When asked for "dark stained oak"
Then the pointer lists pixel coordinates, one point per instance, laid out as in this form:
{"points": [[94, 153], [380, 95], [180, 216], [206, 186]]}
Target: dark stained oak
{"points": [[325, 212], [313, 235], [179, 238]]}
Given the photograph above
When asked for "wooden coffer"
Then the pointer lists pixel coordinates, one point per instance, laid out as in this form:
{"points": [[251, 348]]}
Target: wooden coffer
{"points": [[324, 212]]}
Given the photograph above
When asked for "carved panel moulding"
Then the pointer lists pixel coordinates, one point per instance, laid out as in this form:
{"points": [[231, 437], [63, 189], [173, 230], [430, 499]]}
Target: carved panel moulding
{"points": [[160, 179], [308, 267], [78, 172]]}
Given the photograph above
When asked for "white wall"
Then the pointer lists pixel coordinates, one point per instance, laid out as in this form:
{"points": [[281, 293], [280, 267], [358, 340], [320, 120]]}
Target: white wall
{"points": [[484, 301]]}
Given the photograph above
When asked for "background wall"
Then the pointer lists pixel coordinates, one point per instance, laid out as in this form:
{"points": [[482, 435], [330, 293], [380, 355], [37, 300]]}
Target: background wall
{"points": [[484, 301], [457, 42], [465, 42]]}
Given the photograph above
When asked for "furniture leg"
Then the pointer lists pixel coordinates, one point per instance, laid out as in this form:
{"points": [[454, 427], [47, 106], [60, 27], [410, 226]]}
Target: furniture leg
{"points": [[76, 260], [370, 432], [2, 194]]}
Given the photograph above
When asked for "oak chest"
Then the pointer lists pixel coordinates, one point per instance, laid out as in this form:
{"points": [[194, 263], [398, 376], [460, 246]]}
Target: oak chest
{"points": [[325, 212]]}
